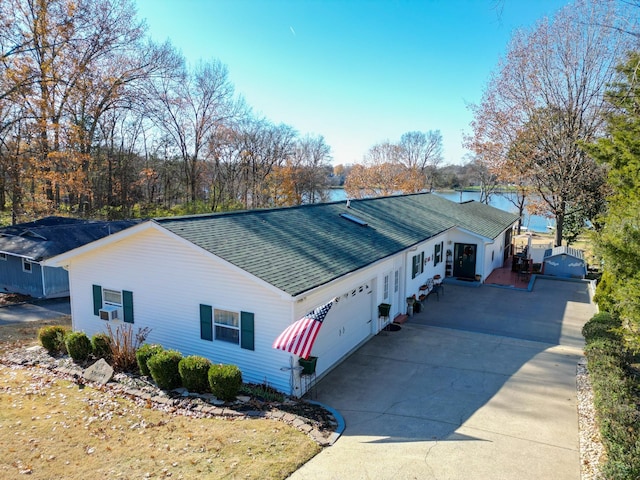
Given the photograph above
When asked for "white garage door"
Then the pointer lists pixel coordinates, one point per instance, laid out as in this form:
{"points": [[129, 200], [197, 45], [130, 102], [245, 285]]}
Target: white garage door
{"points": [[347, 324]]}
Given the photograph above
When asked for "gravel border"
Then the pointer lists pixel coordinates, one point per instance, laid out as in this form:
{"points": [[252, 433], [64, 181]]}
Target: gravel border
{"points": [[592, 453]]}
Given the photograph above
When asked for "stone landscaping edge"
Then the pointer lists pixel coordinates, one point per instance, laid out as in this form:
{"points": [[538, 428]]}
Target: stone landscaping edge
{"points": [[178, 401]]}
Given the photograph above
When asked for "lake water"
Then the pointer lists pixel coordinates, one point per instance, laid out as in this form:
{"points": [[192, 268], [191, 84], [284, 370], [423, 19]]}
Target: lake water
{"points": [[534, 223]]}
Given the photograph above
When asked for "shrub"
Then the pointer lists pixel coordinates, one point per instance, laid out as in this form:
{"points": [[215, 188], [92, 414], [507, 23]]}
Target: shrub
{"points": [[194, 373], [101, 346], [78, 346], [614, 397], [143, 354], [164, 369], [52, 338], [225, 381], [124, 345], [601, 325]]}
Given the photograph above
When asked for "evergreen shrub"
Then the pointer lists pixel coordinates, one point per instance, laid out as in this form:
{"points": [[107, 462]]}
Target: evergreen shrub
{"points": [[194, 371], [78, 346], [52, 338], [225, 381], [143, 354], [101, 346], [163, 367]]}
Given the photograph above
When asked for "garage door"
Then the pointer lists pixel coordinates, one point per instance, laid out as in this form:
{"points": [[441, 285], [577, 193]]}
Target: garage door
{"points": [[347, 324]]}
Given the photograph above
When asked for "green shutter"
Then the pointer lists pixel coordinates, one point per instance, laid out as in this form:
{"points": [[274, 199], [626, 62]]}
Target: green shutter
{"points": [[436, 254], [421, 269], [246, 331], [127, 306], [414, 266], [206, 322], [97, 299]]}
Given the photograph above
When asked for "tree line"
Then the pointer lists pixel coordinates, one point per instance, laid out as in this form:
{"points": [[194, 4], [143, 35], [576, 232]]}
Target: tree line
{"points": [[98, 120]]}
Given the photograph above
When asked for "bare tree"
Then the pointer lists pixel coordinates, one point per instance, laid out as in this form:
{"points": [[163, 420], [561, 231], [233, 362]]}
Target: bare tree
{"points": [[550, 88], [423, 152]]}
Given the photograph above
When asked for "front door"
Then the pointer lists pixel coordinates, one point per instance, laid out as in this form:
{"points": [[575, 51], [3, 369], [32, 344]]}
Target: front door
{"points": [[464, 260]]}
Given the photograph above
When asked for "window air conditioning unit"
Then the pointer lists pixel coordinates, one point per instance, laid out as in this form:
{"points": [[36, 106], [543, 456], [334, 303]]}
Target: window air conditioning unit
{"points": [[109, 312]]}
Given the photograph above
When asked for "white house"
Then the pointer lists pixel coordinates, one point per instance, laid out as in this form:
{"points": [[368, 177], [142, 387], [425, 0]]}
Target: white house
{"points": [[225, 285]]}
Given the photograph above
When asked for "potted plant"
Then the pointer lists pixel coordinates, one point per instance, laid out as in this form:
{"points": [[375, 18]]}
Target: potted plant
{"points": [[384, 309], [410, 302], [308, 365]]}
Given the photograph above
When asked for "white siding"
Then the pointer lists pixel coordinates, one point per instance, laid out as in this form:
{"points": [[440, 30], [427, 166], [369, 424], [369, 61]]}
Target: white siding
{"points": [[169, 281]]}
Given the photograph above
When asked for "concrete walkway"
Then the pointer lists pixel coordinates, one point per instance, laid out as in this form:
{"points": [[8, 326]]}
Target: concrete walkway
{"points": [[466, 398]]}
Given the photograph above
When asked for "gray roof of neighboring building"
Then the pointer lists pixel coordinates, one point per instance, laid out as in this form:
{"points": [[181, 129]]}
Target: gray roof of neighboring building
{"points": [[299, 248], [50, 236], [564, 250]]}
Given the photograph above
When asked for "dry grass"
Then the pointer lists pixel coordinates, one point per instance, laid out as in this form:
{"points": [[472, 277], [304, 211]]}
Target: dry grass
{"points": [[25, 334], [52, 428]]}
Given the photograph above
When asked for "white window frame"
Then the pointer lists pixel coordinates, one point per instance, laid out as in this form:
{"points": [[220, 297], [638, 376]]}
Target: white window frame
{"points": [[26, 269], [110, 292], [221, 326]]}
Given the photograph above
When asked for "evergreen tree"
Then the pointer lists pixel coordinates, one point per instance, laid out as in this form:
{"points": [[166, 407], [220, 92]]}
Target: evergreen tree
{"points": [[618, 242]]}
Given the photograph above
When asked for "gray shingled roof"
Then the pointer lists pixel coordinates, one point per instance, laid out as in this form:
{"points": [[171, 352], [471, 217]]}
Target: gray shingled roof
{"points": [[300, 248], [52, 236]]}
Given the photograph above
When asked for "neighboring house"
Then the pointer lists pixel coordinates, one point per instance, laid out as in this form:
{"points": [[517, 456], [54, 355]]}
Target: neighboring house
{"points": [[25, 246], [565, 262], [226, 285]]}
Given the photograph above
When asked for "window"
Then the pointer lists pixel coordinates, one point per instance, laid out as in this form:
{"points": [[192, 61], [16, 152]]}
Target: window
{"points": [[437, 253], [227, 325], [26, 265], [386, 287], [418, 265], [3, 256], [112, 297], [396, 281], [115, 298]]}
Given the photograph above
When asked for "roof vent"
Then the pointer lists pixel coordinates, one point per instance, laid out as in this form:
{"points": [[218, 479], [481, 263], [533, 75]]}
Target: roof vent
{"points": [[353, 219]]}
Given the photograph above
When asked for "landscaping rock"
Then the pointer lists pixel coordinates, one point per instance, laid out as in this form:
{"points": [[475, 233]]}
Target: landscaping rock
{"points": [[100, 372]]}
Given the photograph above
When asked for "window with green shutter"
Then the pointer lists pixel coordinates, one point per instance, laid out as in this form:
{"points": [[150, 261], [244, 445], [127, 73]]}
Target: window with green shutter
{"points": [[206, 322], [247, 331], [127, 306], [97, 299]]}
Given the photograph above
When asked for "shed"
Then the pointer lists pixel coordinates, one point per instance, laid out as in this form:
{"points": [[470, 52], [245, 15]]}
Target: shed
{"points": [[566, 262], [24, 246]]}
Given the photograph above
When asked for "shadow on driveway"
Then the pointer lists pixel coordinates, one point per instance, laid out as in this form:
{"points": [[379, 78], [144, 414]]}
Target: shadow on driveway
{"points": [[479, 385]]}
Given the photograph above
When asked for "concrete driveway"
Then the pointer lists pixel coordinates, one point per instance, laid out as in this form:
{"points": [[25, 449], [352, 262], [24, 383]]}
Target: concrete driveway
{"points": [[480, 385], [33, 311]]}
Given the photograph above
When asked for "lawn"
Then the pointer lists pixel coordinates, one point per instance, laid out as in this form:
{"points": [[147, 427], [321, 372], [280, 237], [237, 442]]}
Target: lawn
{"points": [[53, 428]]}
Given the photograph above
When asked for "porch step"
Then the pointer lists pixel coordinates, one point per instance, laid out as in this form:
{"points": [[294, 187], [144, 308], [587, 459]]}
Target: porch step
{"points": [[400, 319]]}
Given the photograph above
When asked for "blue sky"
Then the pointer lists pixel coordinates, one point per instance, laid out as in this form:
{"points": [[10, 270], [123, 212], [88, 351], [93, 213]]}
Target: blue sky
{"points": [[357, 72]]}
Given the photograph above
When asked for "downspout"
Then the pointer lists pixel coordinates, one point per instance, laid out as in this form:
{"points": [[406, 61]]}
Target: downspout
{"points": [[44, 285]]}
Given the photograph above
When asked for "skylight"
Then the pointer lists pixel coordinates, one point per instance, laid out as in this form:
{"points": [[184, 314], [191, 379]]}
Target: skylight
{"points": [[354, 219]]}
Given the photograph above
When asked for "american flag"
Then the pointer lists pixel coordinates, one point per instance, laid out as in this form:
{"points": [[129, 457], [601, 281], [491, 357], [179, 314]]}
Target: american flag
{"points": [[298, 338]]}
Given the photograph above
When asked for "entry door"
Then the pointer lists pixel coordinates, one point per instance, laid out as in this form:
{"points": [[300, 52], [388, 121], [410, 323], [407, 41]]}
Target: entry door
{"points": [[464, 260]]}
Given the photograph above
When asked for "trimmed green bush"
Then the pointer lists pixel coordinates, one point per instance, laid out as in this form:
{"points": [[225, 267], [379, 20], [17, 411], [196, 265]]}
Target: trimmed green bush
{"points": [[194, 371], [164, 369], [225, 381], [52, 338], [601, 325], [101, 346], [143, 354], [78, 346], [614, 392]]}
